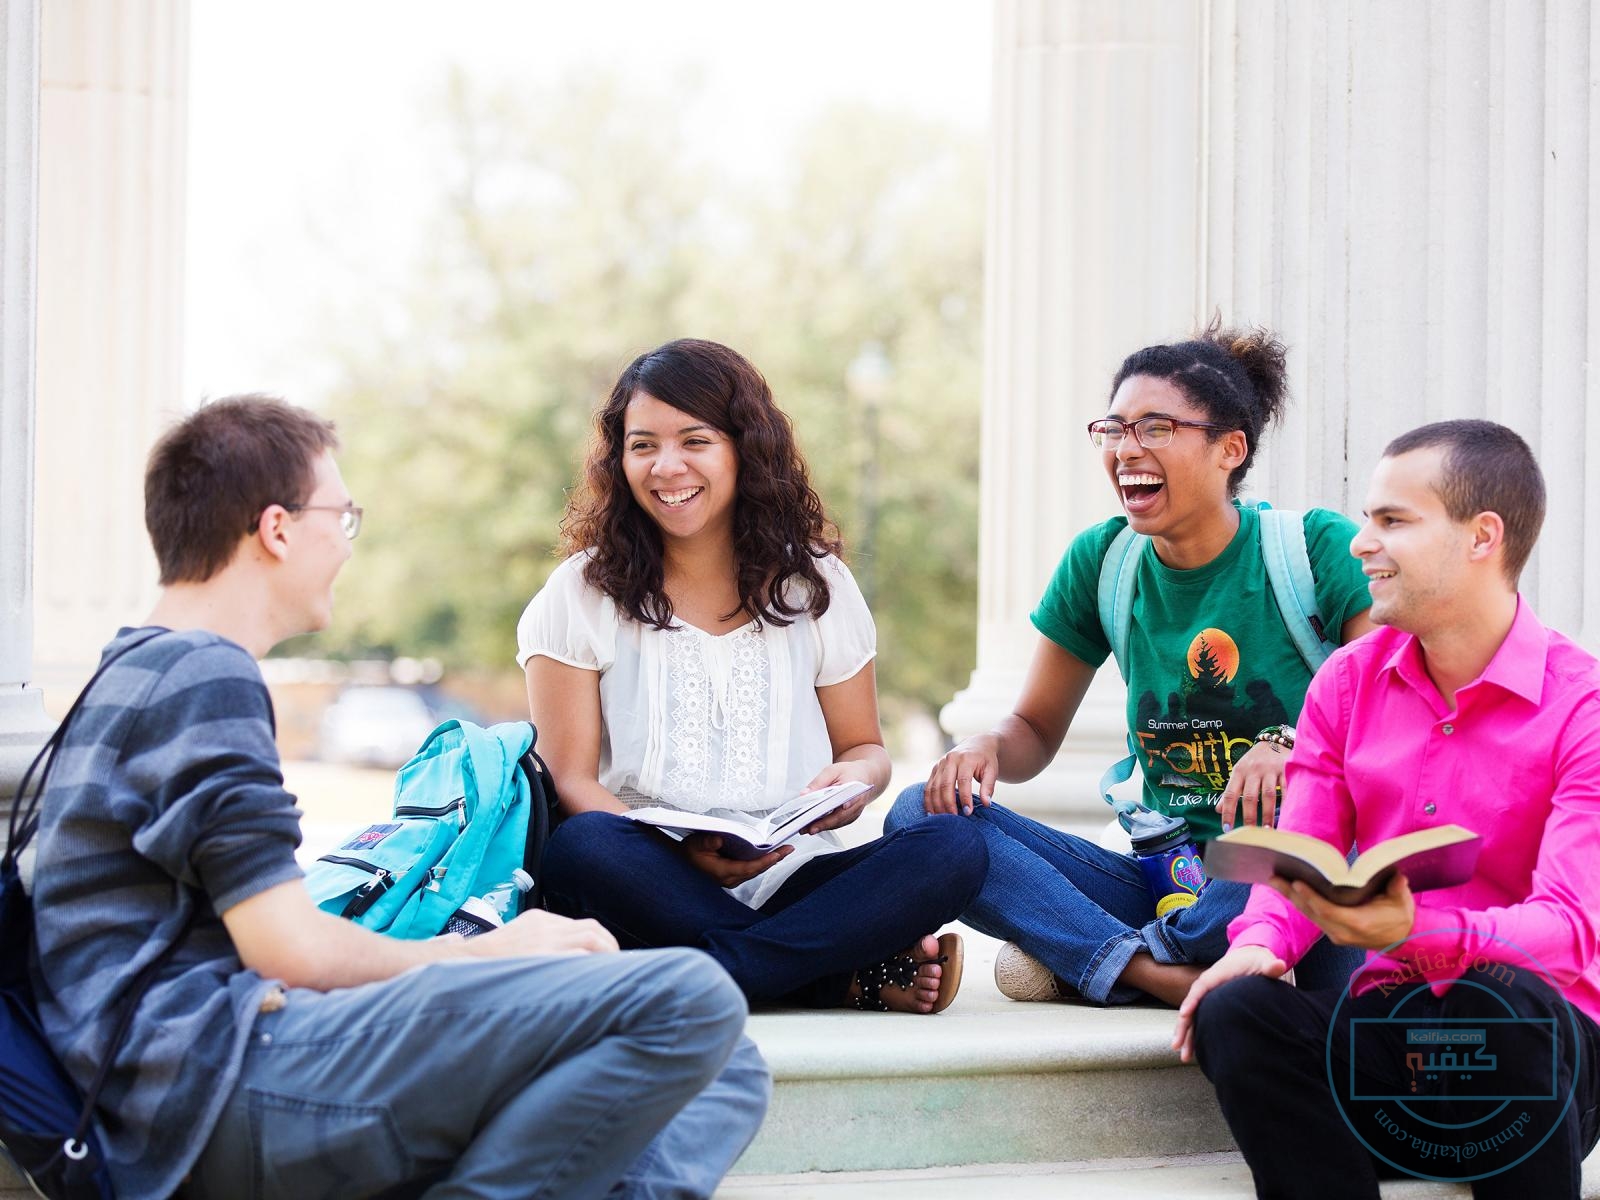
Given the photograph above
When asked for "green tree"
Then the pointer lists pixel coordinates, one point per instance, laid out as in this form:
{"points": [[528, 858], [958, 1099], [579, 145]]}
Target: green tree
{"points": [[573, 231]]}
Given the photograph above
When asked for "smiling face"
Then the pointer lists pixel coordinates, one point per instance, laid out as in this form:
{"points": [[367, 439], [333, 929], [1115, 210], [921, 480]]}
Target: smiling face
{"points": [[1181, 489], [1416, 557], [683, 472]]}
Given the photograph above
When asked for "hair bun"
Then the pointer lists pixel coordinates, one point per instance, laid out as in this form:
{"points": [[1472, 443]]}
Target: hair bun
{"points": [[1264, 358]]}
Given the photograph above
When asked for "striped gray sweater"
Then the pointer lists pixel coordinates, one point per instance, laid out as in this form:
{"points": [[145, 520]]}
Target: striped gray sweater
{"points": [[167, 781]]}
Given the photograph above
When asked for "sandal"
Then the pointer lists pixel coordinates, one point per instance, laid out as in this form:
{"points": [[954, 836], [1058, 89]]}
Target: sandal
{"points": [[901, 972]]}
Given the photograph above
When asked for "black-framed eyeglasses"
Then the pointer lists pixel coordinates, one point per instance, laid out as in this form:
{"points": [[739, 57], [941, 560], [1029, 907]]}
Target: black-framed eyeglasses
{"points": [[349, 515], [1150, 432]]}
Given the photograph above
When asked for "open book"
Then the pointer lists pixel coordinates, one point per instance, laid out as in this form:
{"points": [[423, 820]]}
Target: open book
{"points": [[751, 837], [1429, 858]]}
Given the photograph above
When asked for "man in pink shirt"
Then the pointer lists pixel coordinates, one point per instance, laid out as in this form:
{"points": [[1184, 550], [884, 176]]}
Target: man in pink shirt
{"points": [[1466, 1047]]}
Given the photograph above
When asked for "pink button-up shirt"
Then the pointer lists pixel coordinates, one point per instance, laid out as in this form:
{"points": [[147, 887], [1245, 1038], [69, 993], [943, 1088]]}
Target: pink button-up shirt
{"points": [[1378, 753]]}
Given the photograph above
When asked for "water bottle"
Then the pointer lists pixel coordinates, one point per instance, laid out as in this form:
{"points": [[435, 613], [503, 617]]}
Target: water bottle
{"points": [[1169, 859], [480, 914]]}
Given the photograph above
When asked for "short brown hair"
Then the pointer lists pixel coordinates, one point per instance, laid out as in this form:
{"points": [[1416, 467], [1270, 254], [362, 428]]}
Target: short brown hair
{"points": [[212, 473], [1485, 467]]}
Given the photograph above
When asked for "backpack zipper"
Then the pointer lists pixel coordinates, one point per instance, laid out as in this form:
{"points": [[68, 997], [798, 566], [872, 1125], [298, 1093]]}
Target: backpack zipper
{"points": [[457, 806], [368, 893]]}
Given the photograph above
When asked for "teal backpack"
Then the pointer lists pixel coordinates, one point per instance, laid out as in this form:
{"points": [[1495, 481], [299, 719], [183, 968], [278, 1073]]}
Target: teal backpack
{"points": [[470, 807], [1283, 549]]}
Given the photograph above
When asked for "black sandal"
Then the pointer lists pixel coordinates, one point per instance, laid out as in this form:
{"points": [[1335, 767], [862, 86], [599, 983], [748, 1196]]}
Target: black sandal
{"points": [[901, 972]]}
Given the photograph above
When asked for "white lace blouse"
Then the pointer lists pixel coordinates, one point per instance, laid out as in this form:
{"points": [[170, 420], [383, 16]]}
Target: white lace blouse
{"points": [[707, 723]]}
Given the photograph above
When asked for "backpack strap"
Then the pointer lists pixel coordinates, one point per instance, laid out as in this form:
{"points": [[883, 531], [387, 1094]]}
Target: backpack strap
{"points": [[24, 819], [1283, 547], [24, 823], [1117, 571]]}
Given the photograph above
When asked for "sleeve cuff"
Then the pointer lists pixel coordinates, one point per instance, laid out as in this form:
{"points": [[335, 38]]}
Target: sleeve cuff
{"points": [[1259, 933], [1434, 931]]}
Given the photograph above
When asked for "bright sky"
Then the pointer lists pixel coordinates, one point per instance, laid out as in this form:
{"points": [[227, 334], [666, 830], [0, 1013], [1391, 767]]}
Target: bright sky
{"points": [[307, 176]]}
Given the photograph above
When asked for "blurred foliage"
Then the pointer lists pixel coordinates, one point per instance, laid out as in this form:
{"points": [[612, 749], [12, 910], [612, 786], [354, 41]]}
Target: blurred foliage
{"points": [[574, 230]]}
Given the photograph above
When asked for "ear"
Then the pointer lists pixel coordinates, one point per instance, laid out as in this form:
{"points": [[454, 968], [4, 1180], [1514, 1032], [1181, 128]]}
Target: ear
{"points": [[271, 536], [1235, 448], [1488, 533]]}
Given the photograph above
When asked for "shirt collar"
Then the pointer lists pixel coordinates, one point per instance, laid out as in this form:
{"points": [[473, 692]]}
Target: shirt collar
{"points": [[1517, 666]]}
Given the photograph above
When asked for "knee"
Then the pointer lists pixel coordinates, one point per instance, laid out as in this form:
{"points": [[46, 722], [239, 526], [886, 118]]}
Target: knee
{"points": [[956, 844], [907, 809], [1227, 1022], [701, 989]]}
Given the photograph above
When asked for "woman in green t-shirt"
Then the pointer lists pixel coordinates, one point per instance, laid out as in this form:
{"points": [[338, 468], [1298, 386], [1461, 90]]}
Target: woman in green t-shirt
{"points": [[1214, 684]]}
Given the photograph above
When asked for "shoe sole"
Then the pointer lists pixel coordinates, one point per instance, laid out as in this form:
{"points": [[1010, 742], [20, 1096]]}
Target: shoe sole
{"points": [[952, 949]]}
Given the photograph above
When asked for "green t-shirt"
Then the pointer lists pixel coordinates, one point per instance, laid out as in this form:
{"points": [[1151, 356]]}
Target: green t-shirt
{"points": [[1210, 663]]}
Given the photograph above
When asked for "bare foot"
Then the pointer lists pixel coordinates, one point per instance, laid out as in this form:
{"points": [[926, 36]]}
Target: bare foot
{"points": [[923, 993], [1167, 982]]}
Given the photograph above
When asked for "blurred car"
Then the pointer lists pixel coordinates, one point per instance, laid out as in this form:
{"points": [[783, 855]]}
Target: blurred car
{"points": [[376, 726]]}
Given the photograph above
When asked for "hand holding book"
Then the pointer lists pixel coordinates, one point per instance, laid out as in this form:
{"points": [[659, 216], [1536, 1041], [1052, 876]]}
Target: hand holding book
{"points": [[749, 837], [1429, 858]]}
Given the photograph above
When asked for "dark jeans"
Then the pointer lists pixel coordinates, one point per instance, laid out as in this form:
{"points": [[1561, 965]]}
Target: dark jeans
{"points": [[837, 913], [1266, 1047]]}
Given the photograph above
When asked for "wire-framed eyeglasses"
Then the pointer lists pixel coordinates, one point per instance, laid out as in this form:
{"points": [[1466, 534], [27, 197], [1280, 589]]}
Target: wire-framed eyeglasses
{"points": [[1150, 432], [349, 515]]}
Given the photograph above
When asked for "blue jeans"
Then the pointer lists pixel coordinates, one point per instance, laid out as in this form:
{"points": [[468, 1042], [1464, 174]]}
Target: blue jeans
{"points": [[837, 913], [1085, 911], [599, 1075]]}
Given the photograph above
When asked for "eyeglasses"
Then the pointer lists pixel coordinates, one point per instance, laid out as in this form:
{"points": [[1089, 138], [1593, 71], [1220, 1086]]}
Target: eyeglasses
{"points": [[349, 515], [1150, 432]]}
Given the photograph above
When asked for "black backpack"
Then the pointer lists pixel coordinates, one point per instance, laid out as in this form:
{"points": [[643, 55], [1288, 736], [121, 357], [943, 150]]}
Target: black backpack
{"points": [[46, 1124]]}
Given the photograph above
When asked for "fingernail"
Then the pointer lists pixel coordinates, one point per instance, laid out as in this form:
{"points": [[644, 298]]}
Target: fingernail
{"points": [[1226, 827]]}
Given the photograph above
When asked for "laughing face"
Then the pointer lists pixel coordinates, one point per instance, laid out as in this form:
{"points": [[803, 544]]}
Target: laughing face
{"points": [[1176, 490], [682, 471]]}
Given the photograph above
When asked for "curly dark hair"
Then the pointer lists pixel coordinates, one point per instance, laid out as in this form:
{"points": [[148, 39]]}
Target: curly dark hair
{"points": [[779, 526]]}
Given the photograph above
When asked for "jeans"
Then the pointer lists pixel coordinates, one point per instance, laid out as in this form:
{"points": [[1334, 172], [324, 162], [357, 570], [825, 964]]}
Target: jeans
{"points": [[1085, 911], [1271, 1051], [837, 913], [589, 1076]]}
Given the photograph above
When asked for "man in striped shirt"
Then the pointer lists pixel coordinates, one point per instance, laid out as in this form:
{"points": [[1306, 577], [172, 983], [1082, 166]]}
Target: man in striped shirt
{"points": [[282, 1051]]}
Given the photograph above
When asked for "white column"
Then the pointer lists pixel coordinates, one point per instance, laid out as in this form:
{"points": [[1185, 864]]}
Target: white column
{"points": [[113, 88], [1409, 193], [1093, 235], [23, 725]]}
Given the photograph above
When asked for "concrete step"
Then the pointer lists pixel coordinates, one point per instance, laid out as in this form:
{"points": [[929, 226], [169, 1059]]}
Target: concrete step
{"points": [[986, 1081], [1194, 1177], [995, 1098]]}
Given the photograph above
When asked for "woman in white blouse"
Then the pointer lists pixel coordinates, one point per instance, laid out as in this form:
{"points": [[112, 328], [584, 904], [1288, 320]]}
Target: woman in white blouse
{"points": [[704, 649]]}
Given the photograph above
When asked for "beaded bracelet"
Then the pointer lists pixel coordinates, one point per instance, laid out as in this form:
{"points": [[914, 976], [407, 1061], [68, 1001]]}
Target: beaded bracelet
{"points": [[1281, 736]]}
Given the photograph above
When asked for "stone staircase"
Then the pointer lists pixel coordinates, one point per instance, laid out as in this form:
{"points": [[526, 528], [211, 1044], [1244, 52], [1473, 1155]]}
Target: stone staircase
{"points": [[995, 1099], [990, 1099]]}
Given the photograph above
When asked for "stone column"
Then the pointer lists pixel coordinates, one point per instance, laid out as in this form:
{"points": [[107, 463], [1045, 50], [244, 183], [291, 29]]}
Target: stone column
{"points": [[1092, 251], [23, 725], [113, 89], [1410, 194]]}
